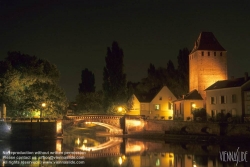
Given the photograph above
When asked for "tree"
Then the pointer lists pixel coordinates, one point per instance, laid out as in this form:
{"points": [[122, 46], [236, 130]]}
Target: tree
{"points": [[177, 80], [90, 102], [183, 69], [27, 82], [88, 82], [114, 79]]}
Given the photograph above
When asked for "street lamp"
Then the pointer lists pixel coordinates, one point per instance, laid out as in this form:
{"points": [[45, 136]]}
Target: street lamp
{"points": [[43, 105], [120, 109]]}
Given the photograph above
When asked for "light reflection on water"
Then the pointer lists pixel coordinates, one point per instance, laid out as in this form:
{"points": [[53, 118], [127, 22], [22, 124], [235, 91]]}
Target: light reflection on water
{"points": [[114, 152]]}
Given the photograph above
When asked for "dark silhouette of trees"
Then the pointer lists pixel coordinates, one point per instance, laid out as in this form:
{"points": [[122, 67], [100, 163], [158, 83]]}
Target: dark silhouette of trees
{"points": [[88, 82], [114, 78], [89, 102], [183, 69], [177, 80], [27, 82]]}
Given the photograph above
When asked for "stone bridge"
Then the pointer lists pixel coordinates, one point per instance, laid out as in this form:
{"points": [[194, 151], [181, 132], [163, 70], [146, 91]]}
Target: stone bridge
{"points": [[117, 124]]}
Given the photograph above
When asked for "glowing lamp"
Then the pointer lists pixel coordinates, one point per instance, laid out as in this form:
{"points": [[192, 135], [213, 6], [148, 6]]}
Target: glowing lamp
{"points": [[193, 105], [120, 109], [43, 104]]}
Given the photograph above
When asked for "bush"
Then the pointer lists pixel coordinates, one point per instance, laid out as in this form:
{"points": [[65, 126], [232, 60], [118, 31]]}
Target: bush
{"points": [[201, 114]]}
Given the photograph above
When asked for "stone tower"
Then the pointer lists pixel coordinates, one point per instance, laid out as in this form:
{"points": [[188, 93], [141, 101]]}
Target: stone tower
{"points": [[207, 63]]}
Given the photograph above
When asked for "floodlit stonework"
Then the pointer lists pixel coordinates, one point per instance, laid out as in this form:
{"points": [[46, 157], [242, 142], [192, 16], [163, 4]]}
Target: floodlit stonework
{"points": [[207, 63]]}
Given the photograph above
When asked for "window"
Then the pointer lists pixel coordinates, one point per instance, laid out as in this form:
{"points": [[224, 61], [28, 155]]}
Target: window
{"points": [[202, 53], [248, 109], [223, 99], [208, 53], [160, 98], [220, 53], [142, 106], [234, 98], [213, 113], [169, 106], [248, 96], [212, 100], [157, 107], [214, 53]]}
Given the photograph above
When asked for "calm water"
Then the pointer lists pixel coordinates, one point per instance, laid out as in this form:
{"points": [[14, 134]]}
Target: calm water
{"points": [[83, 150]]}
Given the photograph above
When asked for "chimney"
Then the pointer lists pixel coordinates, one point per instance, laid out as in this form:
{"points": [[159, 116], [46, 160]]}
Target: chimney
{"points": [[246, 76]]}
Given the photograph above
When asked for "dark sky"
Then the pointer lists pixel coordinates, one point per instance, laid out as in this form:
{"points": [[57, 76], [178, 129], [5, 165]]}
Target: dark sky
{"points": [[75, 35]]}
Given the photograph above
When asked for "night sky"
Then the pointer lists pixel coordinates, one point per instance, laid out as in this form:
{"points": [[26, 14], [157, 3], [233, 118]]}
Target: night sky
{"points": [[75, 35]]}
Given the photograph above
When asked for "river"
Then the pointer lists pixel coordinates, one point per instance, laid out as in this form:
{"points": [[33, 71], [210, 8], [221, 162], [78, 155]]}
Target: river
{"points": [[84, 148]]}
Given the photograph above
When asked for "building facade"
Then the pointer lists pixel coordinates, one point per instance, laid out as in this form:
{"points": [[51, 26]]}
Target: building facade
{"points": [[153, 106], [207, 63], [185, 106], [229, 96]]}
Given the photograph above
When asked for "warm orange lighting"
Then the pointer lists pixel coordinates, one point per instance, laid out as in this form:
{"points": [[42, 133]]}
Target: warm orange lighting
{"points": [[120, 109], [43, 104], [78, 141], [120, 160], [59, 127], [58, 145], [193, 105]]}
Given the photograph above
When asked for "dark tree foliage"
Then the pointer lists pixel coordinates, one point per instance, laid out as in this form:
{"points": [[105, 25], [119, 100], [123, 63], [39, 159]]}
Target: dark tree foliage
{"points": [[114, 78], [89, 102], [88, 82], [176, 80], [200, 114], [27, 82], [183, 68]]}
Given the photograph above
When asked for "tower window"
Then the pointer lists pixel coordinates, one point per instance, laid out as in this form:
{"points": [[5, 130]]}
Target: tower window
{"points": [[214, 53], [220, 53], [202, 53], [208, 53]]}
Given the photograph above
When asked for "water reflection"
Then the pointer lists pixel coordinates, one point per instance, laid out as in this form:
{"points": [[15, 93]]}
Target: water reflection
{"points": [[124, 152]]}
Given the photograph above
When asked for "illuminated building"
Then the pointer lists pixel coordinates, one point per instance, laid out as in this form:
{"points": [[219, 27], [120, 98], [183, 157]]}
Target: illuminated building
{"points": [[157, 105], [207, 63], [229, 96], [185, 106]]}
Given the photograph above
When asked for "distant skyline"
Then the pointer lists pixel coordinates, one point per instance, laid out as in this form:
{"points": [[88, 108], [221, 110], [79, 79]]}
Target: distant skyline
{"points": [[74, 35]]}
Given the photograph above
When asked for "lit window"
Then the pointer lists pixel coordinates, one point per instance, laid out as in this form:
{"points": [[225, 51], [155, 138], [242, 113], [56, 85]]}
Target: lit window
{"points": [[234, 98], [157, 107], [169, 106]]}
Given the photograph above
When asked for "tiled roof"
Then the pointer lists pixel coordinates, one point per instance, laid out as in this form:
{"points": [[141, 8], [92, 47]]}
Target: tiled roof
{"points": [[207, 41], [237, 82], [193, 95]]}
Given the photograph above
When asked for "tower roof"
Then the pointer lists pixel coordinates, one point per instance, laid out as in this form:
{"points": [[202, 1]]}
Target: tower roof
{"points": [[207, 41]]}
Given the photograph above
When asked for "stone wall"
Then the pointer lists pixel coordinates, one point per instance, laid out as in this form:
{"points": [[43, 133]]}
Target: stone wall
{"points": [[166, 126], [25, 130]]}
